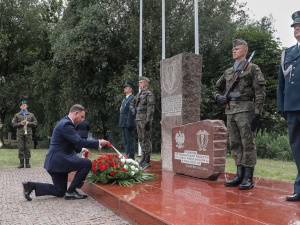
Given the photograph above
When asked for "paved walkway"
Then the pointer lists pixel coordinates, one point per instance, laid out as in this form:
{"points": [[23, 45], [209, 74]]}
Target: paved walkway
{"points": [[48, 210]]}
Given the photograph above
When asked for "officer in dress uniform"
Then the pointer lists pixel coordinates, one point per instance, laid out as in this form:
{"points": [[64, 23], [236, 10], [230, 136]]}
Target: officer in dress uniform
{"points": [[127, 120], [24, 121], [288, 98], [243, 113], [142, 106]]}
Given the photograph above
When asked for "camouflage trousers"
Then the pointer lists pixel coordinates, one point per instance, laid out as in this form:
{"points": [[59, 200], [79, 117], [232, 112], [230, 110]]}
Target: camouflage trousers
{"points": [[241, 139], [23, 144], [144, 136]]}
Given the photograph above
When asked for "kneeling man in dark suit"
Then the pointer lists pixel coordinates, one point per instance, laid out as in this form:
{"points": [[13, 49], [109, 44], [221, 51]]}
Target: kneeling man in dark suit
{"points": [[61, 159]]}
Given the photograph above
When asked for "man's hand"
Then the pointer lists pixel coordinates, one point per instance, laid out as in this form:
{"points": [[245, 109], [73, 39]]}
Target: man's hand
{"points": [[254, 122], [221, 99], [102, 143], [85, 153], [147, 126], [133, 112]]}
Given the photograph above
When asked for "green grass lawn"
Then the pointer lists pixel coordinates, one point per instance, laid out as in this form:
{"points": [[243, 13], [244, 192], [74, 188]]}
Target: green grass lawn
{"points": [[265, 168]]}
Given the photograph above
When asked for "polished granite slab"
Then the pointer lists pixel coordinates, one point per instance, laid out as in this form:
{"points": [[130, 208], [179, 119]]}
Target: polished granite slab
{"points": [[179, 199]]}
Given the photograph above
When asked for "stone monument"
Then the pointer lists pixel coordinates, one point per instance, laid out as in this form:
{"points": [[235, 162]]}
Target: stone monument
{"points": [[189, 146], [199, 149], [180, 78]]}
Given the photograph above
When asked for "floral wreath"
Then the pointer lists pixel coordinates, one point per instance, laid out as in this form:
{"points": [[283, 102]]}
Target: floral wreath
{"points": [[109, 168]]}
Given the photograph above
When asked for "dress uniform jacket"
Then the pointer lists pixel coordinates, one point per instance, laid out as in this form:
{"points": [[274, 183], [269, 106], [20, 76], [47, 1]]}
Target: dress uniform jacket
{"points": [[61, 156], [126, 117], [289, 81]]}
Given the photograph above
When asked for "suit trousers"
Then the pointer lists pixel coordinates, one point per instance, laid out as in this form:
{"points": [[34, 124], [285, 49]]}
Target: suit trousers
{"points": [[128, 142], [60, 181], [293, 120]]}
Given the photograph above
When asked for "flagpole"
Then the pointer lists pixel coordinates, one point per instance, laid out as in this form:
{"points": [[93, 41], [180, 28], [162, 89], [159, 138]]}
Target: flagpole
{"points": [[196, 28], [141, 57], [163, 19]]}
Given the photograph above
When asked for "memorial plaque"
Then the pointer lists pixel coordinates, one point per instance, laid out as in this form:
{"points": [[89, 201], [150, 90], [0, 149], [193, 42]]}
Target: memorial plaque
{"points": [[199, 149], [180, 97]]}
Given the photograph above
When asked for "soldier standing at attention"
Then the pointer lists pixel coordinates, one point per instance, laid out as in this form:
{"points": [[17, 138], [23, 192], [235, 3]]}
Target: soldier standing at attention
{"points": [[243, 113], [127, 120], [24, 121], [142, 106], [288, 98]]}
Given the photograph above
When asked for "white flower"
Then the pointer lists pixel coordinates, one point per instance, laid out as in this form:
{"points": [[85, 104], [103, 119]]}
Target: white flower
{"points": [[129, 160], [132, 173], [136, 163], [126, 167], [123, 160], [132, 167], [136, 169]]}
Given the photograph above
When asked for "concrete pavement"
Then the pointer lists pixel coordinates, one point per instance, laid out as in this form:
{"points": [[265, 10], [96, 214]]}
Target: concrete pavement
{"points": [[47, 210]]}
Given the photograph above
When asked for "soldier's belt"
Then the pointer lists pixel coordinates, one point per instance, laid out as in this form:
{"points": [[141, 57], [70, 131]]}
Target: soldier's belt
{"points": [[241, 99]]}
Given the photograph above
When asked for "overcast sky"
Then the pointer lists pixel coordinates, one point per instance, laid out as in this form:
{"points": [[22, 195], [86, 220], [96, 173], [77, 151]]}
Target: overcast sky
{"points": [[281, 12]]}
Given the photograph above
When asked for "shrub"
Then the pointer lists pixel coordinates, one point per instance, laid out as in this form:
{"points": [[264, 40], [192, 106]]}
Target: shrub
{"points": [[273, 146]]}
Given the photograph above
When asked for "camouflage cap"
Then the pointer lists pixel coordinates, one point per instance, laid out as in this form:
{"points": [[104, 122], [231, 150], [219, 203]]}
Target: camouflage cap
{"points": [[23, 102], [296, 18], [239, 41], [145, 78], [129, 84]]}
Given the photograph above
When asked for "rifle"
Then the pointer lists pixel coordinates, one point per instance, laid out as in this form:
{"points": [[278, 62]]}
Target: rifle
{"points": [[235, 81]]}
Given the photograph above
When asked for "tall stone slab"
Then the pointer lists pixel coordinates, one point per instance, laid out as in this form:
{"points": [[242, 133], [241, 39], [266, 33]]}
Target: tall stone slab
{"points": [[180, 78]]}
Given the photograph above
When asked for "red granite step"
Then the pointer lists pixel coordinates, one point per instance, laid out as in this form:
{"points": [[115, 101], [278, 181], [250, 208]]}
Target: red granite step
{"points": [[177, 199]]}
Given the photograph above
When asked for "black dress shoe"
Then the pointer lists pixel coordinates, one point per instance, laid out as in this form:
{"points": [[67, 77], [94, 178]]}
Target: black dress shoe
{"points": [[74, 195], [27, 189], [293, 197]]}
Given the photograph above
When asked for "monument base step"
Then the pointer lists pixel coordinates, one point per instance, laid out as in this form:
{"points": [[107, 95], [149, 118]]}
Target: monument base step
{"points": [[177, 199]]}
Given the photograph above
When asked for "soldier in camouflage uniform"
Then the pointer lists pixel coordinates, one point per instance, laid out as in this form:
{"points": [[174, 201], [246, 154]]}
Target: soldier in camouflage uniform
{"points": [[245, 109], [142, 106], [24, 121]]}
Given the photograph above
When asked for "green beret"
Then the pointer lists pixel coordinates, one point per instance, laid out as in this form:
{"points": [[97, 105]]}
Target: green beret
{"points": [[145, 78], [129, 84], [296, 18], [239, 41], [23, 102]]}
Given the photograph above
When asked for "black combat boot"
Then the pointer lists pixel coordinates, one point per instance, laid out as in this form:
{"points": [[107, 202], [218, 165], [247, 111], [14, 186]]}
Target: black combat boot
{"points": [[27, 163], [142, 160], [28, 187], [247, 182], [147, 161], [21, 164], [238, 178]]}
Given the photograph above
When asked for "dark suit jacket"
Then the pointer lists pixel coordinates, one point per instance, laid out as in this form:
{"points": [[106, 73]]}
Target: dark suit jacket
{"points": [[288, 98], [126, 117], [61, 156]]}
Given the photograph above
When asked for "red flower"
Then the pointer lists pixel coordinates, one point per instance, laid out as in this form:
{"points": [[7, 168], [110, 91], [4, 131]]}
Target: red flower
{"points": [[102, 167], [112, 173], [123, 169]]}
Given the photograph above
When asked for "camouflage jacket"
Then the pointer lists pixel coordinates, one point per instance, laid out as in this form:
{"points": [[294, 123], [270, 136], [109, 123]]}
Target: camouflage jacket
{"points": [[143, 106], [251, 88], [20, 117]]}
